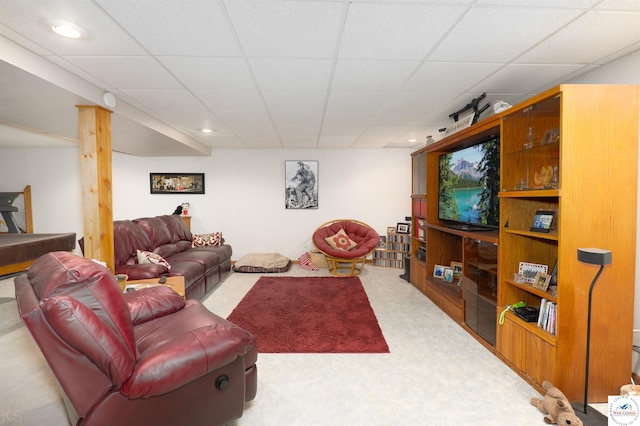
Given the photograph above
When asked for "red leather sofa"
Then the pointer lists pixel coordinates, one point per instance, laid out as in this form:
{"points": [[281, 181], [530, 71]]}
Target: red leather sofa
{"points": [[141, 358], [169, 237]]}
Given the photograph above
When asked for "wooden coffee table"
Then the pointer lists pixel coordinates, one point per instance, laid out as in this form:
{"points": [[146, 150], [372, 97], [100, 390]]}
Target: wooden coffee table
{"points": [[175, 282]]}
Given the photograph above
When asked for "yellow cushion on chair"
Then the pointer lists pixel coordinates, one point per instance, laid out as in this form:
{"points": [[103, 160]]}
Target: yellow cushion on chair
{"points": [[341, 241]]}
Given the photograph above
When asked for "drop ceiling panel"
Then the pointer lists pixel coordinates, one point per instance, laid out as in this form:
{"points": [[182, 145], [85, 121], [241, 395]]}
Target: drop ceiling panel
{"points": [[178, 106], [291, 74], [395, 31], [198, 73], [286, 28], [286, 100], [231, 100], [358, 101], [367, 75], [499, 35], [32, 19], [169, 27], [127, 72], [451, 77], [524, 78], [419, 102], [588, 38]]}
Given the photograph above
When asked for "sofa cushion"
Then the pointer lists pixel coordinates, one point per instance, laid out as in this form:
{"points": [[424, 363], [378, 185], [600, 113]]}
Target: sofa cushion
{"points": [[204, 240], [151, 257], [81, 328], [128, 237], [178, 229], [153, 302], [65, 274], [156, 231]]}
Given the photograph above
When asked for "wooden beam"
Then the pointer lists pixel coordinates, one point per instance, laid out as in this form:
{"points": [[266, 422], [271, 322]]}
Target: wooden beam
{"points": [[94, 131]]}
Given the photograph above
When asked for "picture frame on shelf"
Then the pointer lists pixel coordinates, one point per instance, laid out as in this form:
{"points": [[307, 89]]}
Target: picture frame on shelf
{"points": [[529, 271], [457, 269], [438, 271], [541, 281], [447, 275], [542, 221], [402, 228], [383, 242], [391, 230], [176, 183]]}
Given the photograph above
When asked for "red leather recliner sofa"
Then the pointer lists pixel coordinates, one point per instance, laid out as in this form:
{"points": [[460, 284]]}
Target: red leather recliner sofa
{"points": [[169, 237], [141, 358]]}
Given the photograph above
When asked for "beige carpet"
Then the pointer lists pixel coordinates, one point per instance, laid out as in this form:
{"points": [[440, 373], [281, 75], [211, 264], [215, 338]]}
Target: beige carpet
{"points": [[435, 374]]}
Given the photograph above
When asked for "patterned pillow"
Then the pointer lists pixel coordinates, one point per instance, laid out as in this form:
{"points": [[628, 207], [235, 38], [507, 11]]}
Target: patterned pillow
{"points": [[341, 241], [151, 257], [203, 240]]}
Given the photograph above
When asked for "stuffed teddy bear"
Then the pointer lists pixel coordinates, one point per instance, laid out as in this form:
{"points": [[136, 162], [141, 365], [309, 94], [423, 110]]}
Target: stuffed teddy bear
{"points": [[556, 406]]}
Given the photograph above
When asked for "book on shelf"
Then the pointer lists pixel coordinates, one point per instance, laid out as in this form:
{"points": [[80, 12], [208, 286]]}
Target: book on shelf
{"points": [[547, 316]]}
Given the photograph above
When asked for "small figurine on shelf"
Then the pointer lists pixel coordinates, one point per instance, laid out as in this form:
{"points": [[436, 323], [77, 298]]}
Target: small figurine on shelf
{"points": [[185, 209], [531, 138]]}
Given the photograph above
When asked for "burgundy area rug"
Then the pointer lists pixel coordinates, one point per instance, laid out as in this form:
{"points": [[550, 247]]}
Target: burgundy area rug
{"points": [[310, 315]]}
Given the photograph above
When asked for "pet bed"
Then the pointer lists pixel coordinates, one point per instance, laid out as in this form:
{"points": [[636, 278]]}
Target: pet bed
{"points": [[262, 263]]}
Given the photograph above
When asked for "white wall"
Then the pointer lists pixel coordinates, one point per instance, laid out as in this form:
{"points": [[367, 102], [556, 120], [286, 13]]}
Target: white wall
{"points": [[244, 192]]}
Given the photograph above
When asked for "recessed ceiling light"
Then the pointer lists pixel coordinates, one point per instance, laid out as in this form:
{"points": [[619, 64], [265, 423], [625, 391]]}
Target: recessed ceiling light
{"points": [[412, 140], [206, 130], [67, 29]]}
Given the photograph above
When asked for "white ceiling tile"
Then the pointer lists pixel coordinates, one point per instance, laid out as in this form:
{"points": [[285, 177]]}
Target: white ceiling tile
{"points": [[286, 28], [400, 118], [581, 4], [366, 75], [419, 102], [231, 100], [514, 79], [351, 118], [499, 35], [588, 39], [342, 129], [630, 5], [395, 31], [178, 106], [210, 73], [300, 100], [126, 72], [338, 141], [33, 19], [358, 101], [169, 27], [448, 76], [292, 74]]}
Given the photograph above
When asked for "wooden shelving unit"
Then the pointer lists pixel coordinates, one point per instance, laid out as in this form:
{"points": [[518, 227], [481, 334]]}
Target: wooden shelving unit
{"points": [[396, 248], [573, 150]]}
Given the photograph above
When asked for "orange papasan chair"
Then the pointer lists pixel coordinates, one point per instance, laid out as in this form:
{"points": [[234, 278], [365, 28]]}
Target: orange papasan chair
{"points": [[346, 243]]}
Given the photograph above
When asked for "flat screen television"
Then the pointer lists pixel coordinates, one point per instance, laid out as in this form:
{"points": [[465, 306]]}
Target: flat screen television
{"points": [[468, 185]]}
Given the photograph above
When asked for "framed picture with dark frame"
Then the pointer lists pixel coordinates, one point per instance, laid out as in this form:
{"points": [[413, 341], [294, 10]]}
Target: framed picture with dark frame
{"points": [[176, 183], [542, 221], [402, 228]]}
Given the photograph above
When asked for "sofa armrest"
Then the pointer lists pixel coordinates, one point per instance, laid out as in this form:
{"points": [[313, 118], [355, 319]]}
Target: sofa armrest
{"points": [[182, 359], [142, 271], [153, 302]]}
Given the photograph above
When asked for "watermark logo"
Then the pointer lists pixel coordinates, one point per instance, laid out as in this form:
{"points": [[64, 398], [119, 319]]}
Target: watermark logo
{"points": [[624, 410], [8, 417]]}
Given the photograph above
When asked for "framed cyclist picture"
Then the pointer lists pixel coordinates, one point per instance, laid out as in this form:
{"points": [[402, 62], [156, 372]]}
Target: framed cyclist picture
{"points": [[301, 184]]}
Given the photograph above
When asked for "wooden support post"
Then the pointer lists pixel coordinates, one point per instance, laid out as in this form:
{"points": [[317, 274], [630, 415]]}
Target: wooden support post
{"points": [[94, 132]]}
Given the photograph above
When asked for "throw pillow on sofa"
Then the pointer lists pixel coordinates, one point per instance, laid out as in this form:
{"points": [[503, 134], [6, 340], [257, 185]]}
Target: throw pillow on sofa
{"points": [[150, 257], [203, 240]]}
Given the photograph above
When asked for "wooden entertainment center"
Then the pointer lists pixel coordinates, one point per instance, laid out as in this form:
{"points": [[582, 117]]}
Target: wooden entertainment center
{"points": [[573, 151]]}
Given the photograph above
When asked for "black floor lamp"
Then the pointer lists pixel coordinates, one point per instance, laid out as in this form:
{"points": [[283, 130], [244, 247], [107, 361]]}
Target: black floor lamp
{"points": [[592, 256]]}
